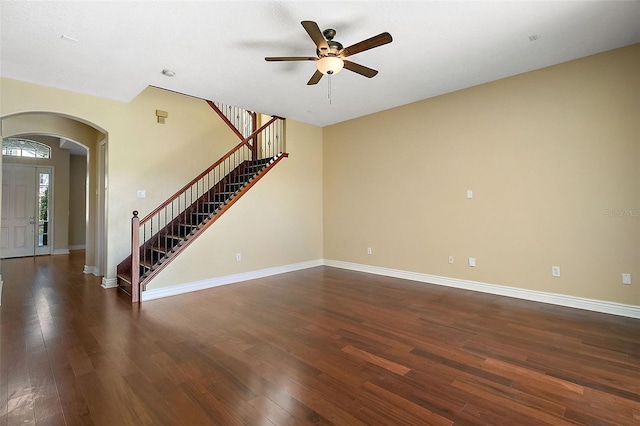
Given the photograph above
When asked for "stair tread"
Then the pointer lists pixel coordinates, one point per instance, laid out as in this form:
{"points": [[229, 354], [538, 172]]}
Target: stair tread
{"points": [[126, 277], [146, 264], [174, 237]]}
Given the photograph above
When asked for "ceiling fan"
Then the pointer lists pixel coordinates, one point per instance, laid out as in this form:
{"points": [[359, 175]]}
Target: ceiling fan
{"points": [[331, 54]]}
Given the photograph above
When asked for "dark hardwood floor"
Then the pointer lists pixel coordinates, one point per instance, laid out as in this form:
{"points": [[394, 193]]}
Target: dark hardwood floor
{"points": [[319, 346]]}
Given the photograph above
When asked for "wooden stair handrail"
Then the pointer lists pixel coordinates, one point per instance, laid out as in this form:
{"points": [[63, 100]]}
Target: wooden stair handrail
{"points": [[245, 141]]}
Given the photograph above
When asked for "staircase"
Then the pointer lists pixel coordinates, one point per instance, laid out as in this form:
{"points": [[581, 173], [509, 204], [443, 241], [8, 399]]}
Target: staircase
{"points": [[165, 232]]}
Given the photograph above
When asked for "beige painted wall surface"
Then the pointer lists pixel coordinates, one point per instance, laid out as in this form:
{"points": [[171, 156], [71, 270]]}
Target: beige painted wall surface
{"points": [[552, 157], [141, 153], [59, 161], [278, 222], [77, 200]]}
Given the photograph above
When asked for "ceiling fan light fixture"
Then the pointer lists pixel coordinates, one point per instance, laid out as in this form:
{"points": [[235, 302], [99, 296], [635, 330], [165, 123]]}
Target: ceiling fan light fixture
{"points": [[330, 65]]}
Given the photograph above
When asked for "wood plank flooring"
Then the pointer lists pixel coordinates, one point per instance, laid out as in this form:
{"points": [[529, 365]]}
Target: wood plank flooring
{"points": [[319, 346]]}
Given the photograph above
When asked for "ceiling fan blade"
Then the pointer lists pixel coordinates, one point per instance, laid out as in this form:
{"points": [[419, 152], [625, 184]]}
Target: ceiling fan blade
{"points": [[316, 35], [360, 69], [367, 44], [315, 78], [290, 58]]}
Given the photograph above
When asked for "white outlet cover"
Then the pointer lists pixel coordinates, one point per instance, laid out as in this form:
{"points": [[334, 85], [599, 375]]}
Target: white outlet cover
{"points": [[141, 193], [472, 261], [469, 193], [555, 271], [626, 279]]}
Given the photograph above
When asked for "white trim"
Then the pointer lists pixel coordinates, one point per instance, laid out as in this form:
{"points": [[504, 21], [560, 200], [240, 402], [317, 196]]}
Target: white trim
{"points": [[229, 279], [101, 206], [1, 285], [88, 269], [78, 247], [109, 282], [602, 306], [60, 251]]}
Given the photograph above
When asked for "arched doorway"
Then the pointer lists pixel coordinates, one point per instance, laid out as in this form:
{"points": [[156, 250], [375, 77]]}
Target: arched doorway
{"points": [[77, 134]]}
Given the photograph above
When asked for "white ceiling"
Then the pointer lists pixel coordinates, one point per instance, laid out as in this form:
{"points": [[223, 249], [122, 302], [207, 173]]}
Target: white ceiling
{"points": [[217, 48]]}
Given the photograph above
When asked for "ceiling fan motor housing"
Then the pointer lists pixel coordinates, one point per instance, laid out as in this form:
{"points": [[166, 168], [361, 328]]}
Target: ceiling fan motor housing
{"points": [[334, 46]]}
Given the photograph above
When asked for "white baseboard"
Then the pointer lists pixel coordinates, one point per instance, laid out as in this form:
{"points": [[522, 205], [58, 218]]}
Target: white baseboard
{"points": [[613, 308], [229, 279], [1, 284], [602, 306], [78, 247], [109, 282], [60, 251], [88, 269]]}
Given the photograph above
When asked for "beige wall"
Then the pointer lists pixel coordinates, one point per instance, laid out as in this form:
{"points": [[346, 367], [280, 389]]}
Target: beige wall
{"points": [[552, 157], [161, 158], [77, 200], [278, 222]]}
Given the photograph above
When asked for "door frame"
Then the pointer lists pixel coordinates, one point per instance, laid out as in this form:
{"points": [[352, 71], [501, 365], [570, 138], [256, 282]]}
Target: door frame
{"points": [[101, 204], [51, 207]]}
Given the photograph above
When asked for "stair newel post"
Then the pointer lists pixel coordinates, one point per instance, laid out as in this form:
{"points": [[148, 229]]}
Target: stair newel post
{"points": [[135, 258]]}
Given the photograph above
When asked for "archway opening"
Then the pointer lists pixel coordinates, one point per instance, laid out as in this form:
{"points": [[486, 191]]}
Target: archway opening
{"points": [[86, 145]]}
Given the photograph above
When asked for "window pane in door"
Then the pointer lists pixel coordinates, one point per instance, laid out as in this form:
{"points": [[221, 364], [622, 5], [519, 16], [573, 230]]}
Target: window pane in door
{"points": [[43, 210]]}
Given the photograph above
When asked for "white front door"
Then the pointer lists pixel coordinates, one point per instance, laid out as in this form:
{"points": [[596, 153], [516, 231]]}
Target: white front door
{"points": [[26, 210]]}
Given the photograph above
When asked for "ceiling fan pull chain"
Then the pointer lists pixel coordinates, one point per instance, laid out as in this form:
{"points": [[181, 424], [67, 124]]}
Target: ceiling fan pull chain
{"points": [[329, 86]]}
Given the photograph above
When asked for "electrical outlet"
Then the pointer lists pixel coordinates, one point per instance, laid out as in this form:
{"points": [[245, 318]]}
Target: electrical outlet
{"points": [[555, 271], [450, 259], [472, 261], [238, 257], [369, 251], [626, 279]]}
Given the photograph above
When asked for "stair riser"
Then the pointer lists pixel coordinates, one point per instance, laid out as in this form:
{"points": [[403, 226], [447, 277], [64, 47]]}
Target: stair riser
{"points": [[233, 187], [210, 207], [197, 219], [221, 196]]}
